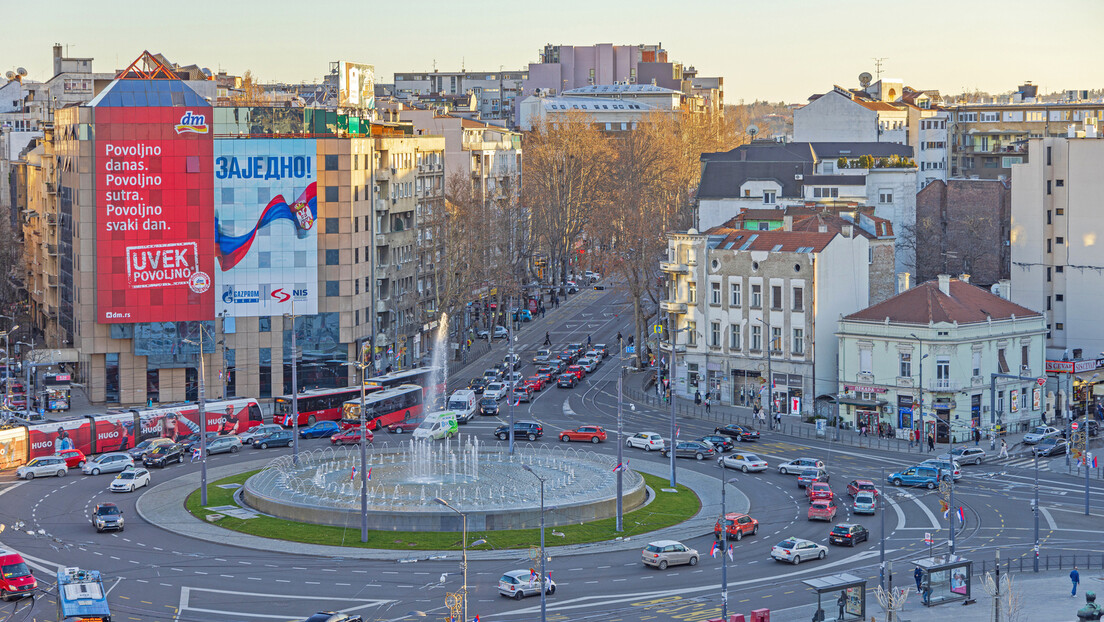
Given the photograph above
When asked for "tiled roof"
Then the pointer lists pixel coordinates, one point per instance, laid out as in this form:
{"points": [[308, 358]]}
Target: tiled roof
{"points": [[775, 241], [878, 106], [925, 303]]}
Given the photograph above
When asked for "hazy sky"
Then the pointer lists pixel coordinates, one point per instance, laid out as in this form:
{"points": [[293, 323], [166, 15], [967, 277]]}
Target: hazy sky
{"points": [[764, 49]]}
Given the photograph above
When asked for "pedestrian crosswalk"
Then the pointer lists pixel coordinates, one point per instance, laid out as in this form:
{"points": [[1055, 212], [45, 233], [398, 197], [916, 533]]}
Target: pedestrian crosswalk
{"points": [[1022, 462]]}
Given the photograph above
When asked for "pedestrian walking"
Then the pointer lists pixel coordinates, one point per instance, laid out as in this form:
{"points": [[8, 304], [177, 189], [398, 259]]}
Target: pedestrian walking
{"points": [[1004, 449], [547, 339], [706, 403], [977, 437], [697, 397], [918, 574], [618, 339], [778, 420], [931, 442], [1075, 577], [912, 437]]}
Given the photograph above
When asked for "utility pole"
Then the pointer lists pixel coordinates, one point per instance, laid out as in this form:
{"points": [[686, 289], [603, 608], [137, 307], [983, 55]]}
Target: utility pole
{"points": [[1035, 565], [620, 442], [881, 553], [671, 393]]}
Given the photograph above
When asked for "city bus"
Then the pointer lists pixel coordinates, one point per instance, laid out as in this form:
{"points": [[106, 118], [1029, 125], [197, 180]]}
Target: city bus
{"points": [[81, 596], [317, 405], [385, 407], [429, 378]]}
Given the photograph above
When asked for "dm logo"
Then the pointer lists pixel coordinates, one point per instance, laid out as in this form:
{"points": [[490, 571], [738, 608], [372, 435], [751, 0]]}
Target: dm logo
{"points": [[193, 123]]}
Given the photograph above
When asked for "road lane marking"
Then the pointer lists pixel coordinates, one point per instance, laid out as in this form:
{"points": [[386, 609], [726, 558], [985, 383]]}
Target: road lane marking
{"points": [[1049, 519]]}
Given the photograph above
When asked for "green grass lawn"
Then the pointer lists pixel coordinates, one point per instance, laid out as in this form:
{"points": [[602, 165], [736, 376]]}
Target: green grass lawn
{"points": [[666, 510]]}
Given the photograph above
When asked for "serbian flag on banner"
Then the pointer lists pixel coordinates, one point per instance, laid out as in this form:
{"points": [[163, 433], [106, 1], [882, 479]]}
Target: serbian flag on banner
{"points": [[1094, 462], [730, 553], [369, 473], [961, 516], [713, 551], [352, 475], [678, 431]]}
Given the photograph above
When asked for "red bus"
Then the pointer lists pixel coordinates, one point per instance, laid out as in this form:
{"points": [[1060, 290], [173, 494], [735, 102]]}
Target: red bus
{"points": [[317, 405], [385, 407], [426, 377]]}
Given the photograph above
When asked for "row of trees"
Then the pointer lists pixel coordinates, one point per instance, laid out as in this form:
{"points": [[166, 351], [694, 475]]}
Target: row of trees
{"points": [[606, 199]]}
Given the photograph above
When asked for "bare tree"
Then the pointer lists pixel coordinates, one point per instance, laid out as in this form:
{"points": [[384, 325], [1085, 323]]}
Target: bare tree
{"points": [[251, 92]]}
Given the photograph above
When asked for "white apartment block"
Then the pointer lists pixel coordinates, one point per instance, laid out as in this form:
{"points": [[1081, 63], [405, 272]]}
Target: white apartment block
{"points": [[494, 90]]}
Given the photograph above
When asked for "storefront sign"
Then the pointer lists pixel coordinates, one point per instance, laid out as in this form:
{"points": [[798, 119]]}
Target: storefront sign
{"points": [[1014, 400], [861, 389], [1036, 398], [1073, 367]]}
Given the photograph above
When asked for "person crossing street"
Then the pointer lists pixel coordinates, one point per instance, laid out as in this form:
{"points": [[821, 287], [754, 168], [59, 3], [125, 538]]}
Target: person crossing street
{"points": [[1004, 449]]}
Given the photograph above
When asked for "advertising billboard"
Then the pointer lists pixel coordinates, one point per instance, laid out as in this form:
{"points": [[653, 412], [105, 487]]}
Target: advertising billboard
{"points": [[114, 432], [13, 447], [49, 438], [266, 238], [154, 218], [356, 85]]}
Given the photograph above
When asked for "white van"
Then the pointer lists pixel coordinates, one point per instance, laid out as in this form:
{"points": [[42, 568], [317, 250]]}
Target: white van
{"points": [[437, 425], [465, 403]]}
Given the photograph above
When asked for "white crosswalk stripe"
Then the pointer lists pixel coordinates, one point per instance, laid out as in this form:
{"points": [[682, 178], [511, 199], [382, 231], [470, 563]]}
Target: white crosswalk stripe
{"points": [[1023, 463]]}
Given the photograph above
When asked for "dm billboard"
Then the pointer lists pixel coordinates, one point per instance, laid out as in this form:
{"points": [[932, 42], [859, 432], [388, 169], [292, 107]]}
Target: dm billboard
{"points": [[154, 224], [266, 237], [356, 85]]}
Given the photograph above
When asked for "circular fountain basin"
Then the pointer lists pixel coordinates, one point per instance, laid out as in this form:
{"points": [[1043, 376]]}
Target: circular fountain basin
{"points": [[482, 480]]}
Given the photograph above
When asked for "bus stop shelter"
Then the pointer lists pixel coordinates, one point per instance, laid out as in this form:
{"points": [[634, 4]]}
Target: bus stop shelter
{"points": [[946, 578], [844, 594]]}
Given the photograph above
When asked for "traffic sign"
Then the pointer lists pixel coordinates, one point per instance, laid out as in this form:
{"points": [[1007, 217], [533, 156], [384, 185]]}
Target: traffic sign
{"points": [[1073, 425], [928, 537], [1040, 381]]}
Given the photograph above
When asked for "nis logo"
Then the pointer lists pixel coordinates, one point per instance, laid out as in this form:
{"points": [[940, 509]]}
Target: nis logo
{"points": [[192, 123], [282, 296]]}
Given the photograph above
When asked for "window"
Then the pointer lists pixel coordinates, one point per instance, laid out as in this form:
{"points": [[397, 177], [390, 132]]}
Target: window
{"points": [[331, 162], [870, 255], [776, 339], [776, 297], [798, 299], [1048, 272], [768, 197], [1048, 156], [1024, 357], [905, 359], [798, 341], [756, 338], [756, 296], [734, 294], [1048, 217], [1002, 363], [734, 336], [356, 317], [1059, 269], [691, 293], [977, 363], [331, 194], [333, 288], [715, 335], [715, 293], [331, 224], [1048, 186], [1059, 240], [332, 255], [1049, 250], [264, 324], [1059, 326], [942, 368], [1059, 297], [691, 334], [885, 196], [866, 360]]}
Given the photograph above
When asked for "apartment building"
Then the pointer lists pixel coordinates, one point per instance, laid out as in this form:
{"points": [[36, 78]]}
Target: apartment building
{"points": [[613, 107], [495, 91], [965, 226]]}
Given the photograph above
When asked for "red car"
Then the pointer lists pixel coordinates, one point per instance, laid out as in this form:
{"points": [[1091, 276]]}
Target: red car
{"points": [[819, 490], [862, 485], [399, 428], [737, 526], [535, 383], [74, 459], [584, 433], [577, 370], [350, 437], [823, 509]]}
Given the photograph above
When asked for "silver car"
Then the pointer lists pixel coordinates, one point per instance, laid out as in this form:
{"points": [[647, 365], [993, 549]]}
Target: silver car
{"points": [[259, 431], [224, 444], [965, 455], [799, 465], [43, 466], [744, 462], [663, 553], [107, 463]]}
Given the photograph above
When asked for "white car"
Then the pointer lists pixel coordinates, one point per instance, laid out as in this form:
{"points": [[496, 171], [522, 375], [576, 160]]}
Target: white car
{"points": [[518, 584], [497, 390], [965, 455], [514, 379], [130, 480], [587, 363], [259, 431], [43, 466], [646, 441], [107, 463], [744, 462], [1039, 433], [799, 465], [593, 276], [797, 550]]}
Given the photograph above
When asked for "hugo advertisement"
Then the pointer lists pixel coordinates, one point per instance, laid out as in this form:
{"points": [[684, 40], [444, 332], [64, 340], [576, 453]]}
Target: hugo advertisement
{"points": [[224, 417], [49, 438], [154, 215], [265, 227], [114, 432]]}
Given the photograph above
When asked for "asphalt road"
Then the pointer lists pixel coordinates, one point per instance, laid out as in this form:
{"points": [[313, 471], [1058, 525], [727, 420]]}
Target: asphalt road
{"points": [[156, 575]]}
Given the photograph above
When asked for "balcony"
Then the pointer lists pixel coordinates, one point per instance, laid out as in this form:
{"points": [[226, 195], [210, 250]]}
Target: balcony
{"points": [[944, 385], [51, 219], [673, 307], [382, 174], [383, 340], [382, 271], [674, 268], [51, 280], [381, 239], [381, 205], [383, 306], [51, 188], [51, 250]]}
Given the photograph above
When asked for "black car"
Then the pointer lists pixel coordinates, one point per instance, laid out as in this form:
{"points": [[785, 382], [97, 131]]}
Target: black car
{"points": [[739, 432], [567, 381], [1051, 446], [848, 534], [689, 449], [488, 406], [722, 443], [530, 430], [275, 439], [161, 456], [477, 385]]}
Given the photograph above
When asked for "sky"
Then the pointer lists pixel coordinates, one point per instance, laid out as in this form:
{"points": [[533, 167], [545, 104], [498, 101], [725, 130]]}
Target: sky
{"points": [[775, 50]]}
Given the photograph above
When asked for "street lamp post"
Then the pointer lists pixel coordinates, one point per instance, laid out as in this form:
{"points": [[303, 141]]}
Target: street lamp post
{"points": [[920, 385], [463, 550], [544, 574], [7, 363], [881, 502], [1035, 565], [510, 390], [202, 418], [363, 457], [28, 373], [724, 541], [620, 428], [671, 337], [770, 376], [295, 388]]}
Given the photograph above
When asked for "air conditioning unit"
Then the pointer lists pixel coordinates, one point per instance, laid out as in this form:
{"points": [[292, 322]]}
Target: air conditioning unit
{"points": [[799, 177]]}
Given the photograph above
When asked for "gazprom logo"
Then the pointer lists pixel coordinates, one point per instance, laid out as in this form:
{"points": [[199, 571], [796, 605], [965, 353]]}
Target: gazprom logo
{"points": [[193, 123]]}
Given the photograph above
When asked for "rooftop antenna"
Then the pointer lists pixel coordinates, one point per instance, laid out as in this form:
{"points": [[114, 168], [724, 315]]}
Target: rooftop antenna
{"points": [[878, 66]]}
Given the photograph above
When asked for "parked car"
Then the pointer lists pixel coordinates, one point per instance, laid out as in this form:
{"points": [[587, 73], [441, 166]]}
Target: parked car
{"points": [[690, 449], [43, 466], [810, 476], [965, 455], [74, 458], [856, 486], [530, 430], [477, 385], [226, 444], [140, 450], [584, 433], [796, 550], [567, 381], [663, 553], [16, 580], [799, 465], [107, 463], [739, 432], [321, 429], [1092, 425], [282, 438], [819, 490], [351, 437], [646, 441], [488, 406], [849, 534], [500, 332], [744, 462], [823, 509], [262, 430], [130, 480], [333, 616], [1050, 447], [865, 503], [163, 455], [518, 584], [107, 516], [926, 476], [736, 526], [947, 468], [720, 443], [1039, 433]]}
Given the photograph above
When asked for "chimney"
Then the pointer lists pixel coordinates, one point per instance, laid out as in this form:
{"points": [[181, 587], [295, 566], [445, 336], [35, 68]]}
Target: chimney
{"points": [[848, 231], [965, 278], [822, 228], [1002, 288], [945, 284], [787, 223], [902, 282]]}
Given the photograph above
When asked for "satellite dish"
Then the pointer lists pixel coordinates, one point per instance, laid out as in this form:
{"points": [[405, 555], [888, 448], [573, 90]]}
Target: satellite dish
{"points": [[10, 75], [865, 78], [752, 130], [21, 71]]}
